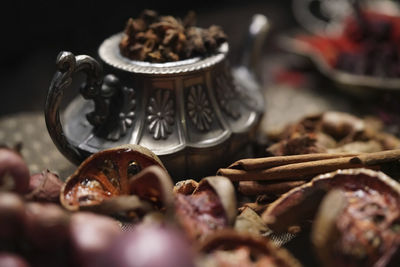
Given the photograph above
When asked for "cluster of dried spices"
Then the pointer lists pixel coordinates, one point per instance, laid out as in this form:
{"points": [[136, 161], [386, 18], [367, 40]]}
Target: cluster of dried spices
{"points": [[155, 38], [331, 132]]}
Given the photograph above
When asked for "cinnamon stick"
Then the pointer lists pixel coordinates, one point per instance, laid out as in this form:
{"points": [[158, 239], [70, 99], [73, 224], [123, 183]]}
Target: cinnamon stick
{"points": [[268, 162], [252, 188], [295, 171], [377, 158], [301, 167]]}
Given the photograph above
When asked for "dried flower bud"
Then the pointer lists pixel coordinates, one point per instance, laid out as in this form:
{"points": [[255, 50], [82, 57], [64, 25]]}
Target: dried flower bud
{"points": [[45, 186]]}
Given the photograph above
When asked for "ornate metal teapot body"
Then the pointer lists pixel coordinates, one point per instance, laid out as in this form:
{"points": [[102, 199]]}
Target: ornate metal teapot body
{"points": [[197, 115]]}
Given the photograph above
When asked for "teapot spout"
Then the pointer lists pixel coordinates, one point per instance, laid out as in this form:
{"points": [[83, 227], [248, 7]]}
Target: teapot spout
{"points": [[247, 75], [258, 29]]}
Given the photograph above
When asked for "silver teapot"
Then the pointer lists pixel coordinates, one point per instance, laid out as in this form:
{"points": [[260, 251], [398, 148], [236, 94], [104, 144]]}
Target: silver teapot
{"points": [[197, 114]]}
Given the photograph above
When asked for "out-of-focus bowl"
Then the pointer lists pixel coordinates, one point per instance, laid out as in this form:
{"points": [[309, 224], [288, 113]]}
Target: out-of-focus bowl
{"points": [[359, 85]]}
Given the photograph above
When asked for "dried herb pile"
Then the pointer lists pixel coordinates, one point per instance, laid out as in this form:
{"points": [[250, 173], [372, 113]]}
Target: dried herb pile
{"points": [[367, 47], [155, 38]]}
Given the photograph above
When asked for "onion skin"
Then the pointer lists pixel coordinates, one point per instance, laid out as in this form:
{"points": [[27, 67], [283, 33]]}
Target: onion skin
{"points": [[12, 166], [149, 245]]}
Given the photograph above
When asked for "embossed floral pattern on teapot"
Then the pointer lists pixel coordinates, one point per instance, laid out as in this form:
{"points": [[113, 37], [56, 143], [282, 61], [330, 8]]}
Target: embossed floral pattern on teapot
{"points": [[197, 114]]}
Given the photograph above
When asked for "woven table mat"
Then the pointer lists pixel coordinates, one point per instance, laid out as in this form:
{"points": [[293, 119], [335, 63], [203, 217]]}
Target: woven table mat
{"points": [[38, 149]]}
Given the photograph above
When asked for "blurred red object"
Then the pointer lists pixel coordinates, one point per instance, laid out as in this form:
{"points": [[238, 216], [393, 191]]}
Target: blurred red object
{"points": [[370, 39]]}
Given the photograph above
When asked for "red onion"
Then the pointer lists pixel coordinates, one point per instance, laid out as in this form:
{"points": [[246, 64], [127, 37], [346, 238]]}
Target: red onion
{"points": [[46, 225], [14, 173], [149, 246], [91, 235], [12, 260], [12, 212]]}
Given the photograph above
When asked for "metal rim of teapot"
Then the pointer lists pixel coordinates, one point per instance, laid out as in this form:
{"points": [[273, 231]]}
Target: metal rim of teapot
{"points": [[110, 54]]}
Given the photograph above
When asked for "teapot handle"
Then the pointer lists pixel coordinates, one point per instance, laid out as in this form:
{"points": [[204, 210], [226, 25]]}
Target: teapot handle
{"points": [[67, 65]]}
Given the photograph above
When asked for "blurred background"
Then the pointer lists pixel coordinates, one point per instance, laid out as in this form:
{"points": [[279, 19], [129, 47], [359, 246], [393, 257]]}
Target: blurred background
{"points": [[34, 32]]}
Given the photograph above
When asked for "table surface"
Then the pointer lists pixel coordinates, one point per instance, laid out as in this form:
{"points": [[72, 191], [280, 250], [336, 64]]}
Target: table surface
{"points": [[291, 86]]}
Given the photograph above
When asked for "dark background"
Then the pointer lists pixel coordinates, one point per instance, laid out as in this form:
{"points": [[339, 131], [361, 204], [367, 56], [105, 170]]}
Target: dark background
{"points": [[34, 32]]}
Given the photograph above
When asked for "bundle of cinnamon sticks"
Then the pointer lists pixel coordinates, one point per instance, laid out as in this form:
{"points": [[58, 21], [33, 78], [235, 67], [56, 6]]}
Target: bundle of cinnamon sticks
{"points": [[279, 174]]}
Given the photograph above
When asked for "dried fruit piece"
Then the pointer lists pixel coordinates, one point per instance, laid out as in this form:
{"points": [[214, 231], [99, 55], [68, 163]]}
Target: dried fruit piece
{"points": [[126, 208], [211, 207], [150, 190], [256, 206], [356, 228], [154, 185], [300, 204], [185, 187], [249, 221], [106, 174], [324, 233], [362, 230], [230, 248]]}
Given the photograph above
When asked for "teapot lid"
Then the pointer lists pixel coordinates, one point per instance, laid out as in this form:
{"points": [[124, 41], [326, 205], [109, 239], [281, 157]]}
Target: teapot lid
{"points": [[109, 53]]}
